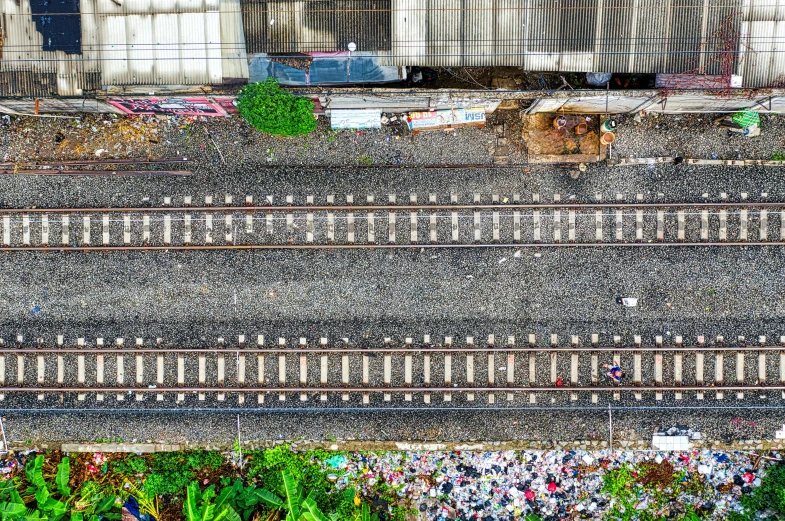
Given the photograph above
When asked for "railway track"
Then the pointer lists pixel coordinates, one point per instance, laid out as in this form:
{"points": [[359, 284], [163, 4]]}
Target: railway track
{"points": [[270, 373], [434, 223], [67, 168]]}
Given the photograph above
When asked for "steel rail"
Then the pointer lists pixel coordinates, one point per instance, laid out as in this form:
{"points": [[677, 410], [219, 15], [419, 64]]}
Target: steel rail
{"points": [[360, 350], [392, 166], [96, 173], [100, 162], [388, 246], [23, 411], [390, 389], [393, 207]]}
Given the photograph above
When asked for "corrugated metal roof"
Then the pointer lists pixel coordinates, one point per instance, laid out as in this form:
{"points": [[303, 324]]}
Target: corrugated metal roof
{"points": [[281, 26], [133, 42], [643, 36]]}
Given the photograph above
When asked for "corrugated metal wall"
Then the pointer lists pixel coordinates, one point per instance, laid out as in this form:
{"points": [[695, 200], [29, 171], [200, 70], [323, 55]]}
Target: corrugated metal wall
{"points": [[565, 35], [763, 43], [281, 26], [26, 68], [134, 42]]}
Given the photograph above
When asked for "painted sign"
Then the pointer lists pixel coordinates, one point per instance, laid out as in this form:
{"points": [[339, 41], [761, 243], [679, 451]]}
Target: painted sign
{"points": [[226, 103], [446, 102], [355, 119], [169, 106], [433, 119]]}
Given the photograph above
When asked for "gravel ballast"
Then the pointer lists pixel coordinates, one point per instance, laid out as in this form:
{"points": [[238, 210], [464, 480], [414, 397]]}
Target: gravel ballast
{"points": [[191, 299]]}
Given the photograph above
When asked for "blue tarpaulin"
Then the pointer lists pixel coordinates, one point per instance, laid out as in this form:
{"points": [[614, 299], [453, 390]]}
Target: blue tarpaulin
{"points": [[326, 69]]}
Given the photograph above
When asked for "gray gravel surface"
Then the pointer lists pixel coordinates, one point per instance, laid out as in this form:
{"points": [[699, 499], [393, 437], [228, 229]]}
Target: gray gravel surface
{"points": [[695, 136], [247, 169], [192, 299], [189, 298], [713, 424]]}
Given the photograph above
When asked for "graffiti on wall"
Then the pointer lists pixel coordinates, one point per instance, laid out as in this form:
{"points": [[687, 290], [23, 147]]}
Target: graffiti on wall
{"points": [[170, 106], [226, 103]]}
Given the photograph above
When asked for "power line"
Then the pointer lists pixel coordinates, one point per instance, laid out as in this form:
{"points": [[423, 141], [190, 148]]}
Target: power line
{"points": [[631, 4], [414, 43], [406, 56]]}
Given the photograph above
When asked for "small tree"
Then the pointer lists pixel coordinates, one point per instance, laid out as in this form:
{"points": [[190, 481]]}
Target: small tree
{"points": [[269, 108]]}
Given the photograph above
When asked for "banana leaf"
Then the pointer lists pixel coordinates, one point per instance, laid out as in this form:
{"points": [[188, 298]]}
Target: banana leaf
{"points": [[6, 487], [311, 511], [226, 513], [294, 495], [55, 508], [192, 502], [206, 511], [104, 504], [63, 474], [41, 496], [224, 498], [16, 498], [9, 511], [33, 515], [268, 498], [33, 471]]}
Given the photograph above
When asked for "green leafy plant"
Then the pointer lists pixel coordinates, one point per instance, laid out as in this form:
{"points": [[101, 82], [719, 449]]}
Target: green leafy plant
{"points": [[169, 473], [62, 476], [11, 504], [199, 506], [366, 160], [265, 467], [778, 156], [619, 483], [296, 505], [54, 509], [93, 503], [242, 498], [130, 466], [269, 108], [148, 502], [53, 503]]}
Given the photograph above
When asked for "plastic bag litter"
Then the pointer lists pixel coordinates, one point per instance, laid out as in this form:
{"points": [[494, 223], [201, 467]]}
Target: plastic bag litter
{"points": [[497, 486], [336, 462]]}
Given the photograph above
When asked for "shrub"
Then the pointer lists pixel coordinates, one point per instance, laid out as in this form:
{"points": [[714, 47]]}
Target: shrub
{"points": [[168, 472], [269, 108], [266, 467]]}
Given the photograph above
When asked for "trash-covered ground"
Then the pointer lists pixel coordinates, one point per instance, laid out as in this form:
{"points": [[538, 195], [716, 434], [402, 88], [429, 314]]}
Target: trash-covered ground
{"points": [[393, 486], [559, 485]]}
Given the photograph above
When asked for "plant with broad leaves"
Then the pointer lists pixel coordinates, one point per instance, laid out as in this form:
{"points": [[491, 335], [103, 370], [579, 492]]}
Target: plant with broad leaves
{"points": [[296, 505], [54, 502], [148, 502], [199, 506]]}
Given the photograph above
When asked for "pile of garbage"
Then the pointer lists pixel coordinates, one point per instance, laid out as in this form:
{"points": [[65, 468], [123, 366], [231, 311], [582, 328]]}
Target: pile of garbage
{"points": [[553, 485]]}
